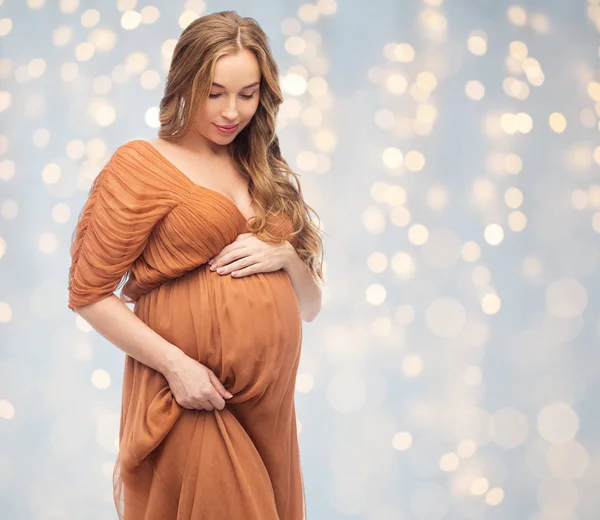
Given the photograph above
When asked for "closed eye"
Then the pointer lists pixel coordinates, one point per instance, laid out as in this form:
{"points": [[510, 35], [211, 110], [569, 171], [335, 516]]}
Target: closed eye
{"points": [[245, 96]]}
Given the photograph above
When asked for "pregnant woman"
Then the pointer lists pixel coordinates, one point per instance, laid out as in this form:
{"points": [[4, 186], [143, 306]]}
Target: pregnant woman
{"points": [[211, 241]]}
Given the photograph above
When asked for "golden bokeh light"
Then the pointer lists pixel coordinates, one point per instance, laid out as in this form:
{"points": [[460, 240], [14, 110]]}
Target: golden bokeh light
{"points": [[403, 265], [392, 157], [418, 234], [396, 83], [131, 20], [517, 15], [493, 234], [402, 441], [558, 122], [470, 251], [477, 43], [475, 90]]}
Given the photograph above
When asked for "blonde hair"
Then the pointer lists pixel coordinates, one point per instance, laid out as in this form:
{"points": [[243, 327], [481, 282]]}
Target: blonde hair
{"points": [[255, 150]]}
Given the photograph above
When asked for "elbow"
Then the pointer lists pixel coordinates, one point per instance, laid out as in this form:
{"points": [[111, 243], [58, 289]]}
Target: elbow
{"points": [[311, 314]]}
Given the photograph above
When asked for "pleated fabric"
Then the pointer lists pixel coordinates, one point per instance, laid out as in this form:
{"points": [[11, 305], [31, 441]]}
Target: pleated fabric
{"points": [[148, 229]]}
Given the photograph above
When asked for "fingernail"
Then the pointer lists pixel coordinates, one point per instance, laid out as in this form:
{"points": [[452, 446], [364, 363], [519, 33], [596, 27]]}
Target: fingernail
{"points": [[229, 395]]}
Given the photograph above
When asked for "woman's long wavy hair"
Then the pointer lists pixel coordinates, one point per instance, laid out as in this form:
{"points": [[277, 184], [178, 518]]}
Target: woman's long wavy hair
{"points": [[255, 150]]}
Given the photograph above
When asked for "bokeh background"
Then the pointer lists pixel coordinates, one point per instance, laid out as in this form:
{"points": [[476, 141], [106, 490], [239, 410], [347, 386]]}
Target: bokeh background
{"points": [[452, 151]]}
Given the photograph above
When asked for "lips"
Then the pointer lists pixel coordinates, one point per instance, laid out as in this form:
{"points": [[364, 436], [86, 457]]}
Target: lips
{"points": [[227, 127]]}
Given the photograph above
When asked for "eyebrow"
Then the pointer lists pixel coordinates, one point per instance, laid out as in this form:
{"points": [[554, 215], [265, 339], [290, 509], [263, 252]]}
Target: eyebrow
{"points": [[247, 86]]}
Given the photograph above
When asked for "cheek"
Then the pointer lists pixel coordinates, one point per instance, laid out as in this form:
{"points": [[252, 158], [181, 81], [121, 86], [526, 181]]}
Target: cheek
{"points": [[209, 113], [250, 111]]}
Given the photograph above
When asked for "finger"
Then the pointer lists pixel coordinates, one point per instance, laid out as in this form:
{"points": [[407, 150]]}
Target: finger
{"points": [[217, 401], [223, 259], [206, 405], [238, 264], [251, 269], [219, 386]]}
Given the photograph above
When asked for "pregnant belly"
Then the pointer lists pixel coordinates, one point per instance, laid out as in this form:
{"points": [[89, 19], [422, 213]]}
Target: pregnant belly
{"points": [[247, 330]]}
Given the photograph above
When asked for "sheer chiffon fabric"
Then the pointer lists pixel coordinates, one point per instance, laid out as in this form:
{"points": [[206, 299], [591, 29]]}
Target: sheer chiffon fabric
{"points": [[147, 228]]}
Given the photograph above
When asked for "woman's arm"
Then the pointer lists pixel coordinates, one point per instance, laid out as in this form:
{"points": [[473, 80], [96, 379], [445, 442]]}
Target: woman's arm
{"points": [[112, 319], [306, 288], [194, 385]]}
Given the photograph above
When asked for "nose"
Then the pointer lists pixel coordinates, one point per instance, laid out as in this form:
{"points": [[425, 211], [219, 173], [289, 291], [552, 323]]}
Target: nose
{"points": [[231, 111]]}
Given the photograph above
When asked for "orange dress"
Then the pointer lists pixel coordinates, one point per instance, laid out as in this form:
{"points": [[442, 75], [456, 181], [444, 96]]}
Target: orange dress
{"points": [[146, 218]]}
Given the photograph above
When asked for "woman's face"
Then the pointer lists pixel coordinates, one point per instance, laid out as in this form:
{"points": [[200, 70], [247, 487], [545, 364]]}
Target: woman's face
{"points": [[233, 98]]}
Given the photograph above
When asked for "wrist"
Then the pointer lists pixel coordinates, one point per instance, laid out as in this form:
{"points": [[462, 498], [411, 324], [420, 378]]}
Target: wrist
{"points": [[170, 359], [289, 253]]}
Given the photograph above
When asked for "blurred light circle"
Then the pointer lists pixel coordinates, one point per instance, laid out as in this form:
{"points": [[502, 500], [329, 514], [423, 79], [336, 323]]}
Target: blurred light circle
{"points": [[412, 365], [403, 265], [466, 448], [61, 36], [100, 379], [493, 234], [377, 262], [151, 117], [418, 234], [477, 44], [445, 317], [402, 441], [130, 20], [568, 460], [5, 312], [475, 90], [566, 298], [51, 173], [373, 221], [557, 496], [304, 383], [415, 161], [437, 197], [557, 422], [7, 410], [479, 486], [375, 294], [41, 137], [384, 118], [9, 209], [47, 243], [149, 14], [293, 84], [491, 303], [392, 157], [531, 267], [494, 496], [470, 251], [449, 462], [396, 83]]}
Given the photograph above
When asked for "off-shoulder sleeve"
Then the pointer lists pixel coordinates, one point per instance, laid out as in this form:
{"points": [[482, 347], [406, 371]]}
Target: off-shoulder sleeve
{"points": [[126, 200]]}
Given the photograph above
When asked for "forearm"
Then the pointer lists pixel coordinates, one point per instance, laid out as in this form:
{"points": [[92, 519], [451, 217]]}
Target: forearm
{"points": [[113, 320], [308, 292]]}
